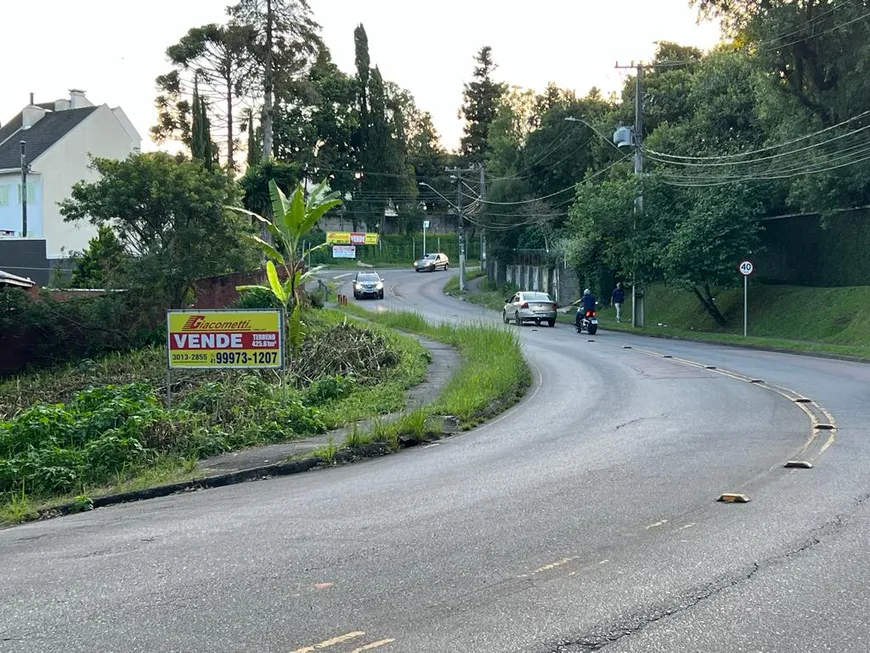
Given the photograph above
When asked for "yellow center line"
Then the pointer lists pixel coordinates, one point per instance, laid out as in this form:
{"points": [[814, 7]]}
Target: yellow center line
{"points": [[369, 647], [340, 639]]}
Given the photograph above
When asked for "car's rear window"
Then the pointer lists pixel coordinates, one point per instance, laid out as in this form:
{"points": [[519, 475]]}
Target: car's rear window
{"points": [[536, 297]]}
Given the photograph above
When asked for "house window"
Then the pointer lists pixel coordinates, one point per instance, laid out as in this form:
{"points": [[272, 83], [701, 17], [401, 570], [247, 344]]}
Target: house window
{"points": [[31, 193], [4, 195]]}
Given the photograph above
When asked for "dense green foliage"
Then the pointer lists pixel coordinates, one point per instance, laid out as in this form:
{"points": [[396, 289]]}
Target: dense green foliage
{"points": [[170, 214], [44, 332]]}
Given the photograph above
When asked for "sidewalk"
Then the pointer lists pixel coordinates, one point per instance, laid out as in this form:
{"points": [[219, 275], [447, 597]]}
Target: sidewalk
{"points": [[444, 362]]}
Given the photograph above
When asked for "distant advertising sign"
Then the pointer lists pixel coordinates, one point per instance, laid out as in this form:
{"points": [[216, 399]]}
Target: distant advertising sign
{"points": [[224, 339], [351, 238], [343, 251]]}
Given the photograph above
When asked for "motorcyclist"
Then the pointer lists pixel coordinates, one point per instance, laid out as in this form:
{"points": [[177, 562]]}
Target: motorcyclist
{"points": [[586, 305]]}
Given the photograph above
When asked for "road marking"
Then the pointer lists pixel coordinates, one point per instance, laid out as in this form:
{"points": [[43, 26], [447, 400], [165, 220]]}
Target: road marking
{"points": [[553, 565], [342, 276], [682, 528], [604, 562], [322, 586], [805, 404], [369, 647], [657, 524], [340, 639]]}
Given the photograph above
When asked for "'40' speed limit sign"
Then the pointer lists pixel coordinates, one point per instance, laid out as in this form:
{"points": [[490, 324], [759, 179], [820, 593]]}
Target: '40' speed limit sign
{"points": [[746, 268]]}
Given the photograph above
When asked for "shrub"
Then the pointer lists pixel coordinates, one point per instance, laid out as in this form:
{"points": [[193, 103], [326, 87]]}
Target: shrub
{"points": [[44, 332]]}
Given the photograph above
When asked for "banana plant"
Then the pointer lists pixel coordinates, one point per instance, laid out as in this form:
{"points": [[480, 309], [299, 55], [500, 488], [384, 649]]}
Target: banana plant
{"points": [[293, 217]]}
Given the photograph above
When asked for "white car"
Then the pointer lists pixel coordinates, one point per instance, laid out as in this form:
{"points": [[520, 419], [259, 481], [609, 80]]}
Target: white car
{"points": [[432, 262], [530, 306]]}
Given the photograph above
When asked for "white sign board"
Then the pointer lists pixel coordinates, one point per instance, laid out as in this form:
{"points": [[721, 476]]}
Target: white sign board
{"points": [[425, 224], [343, 251], [746, 268]]}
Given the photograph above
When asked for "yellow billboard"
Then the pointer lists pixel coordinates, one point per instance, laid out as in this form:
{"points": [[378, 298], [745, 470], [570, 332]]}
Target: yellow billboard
{"points": [[224, 339], [351, 238]]}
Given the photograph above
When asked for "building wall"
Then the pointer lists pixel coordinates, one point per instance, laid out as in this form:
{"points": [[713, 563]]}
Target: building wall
{"points": [[102, 134], [10, 204]]}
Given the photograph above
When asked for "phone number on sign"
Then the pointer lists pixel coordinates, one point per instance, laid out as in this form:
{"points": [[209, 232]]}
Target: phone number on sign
{"points": [[228, 358]]}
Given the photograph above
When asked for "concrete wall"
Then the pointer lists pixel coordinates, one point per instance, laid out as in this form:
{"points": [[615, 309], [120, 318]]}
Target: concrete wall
{"points": [[25, 257], [560, 282]]}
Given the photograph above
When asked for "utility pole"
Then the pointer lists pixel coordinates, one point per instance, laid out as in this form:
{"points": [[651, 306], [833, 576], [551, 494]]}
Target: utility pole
{"points": [[482, 229], [268, 86], [456, 175], [637, 318], [24, 169]]}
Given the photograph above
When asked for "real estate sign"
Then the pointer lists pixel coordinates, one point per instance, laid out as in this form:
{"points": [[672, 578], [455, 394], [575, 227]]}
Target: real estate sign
{"points": [[224, 339], [351, 238], [343, 251]]}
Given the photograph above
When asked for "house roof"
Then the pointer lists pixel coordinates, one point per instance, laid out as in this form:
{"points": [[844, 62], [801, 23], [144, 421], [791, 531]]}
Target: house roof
{"points": [[40, 137], [7, 279], [14, 125]]}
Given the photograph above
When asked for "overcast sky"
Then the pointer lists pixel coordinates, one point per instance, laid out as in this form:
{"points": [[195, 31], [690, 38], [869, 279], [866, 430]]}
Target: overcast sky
{"points": [[113, 49]]}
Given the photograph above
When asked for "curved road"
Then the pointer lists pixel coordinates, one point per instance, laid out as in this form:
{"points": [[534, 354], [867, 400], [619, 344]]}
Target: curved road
{"points": [[584, 518]]}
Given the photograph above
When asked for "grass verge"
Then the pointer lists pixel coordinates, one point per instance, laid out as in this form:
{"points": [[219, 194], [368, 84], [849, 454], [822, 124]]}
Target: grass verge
{"points": [[493, 374]]}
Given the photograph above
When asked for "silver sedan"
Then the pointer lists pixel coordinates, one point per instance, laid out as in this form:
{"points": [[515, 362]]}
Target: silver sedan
{"points": [[534, 307]]}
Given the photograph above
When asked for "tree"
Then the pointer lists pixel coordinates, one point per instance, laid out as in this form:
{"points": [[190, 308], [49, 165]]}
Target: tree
{"points": [[292, 219], [219, 57], [100, 265], [168, 211], [480, 107], [285, 38], [314, 129], [201, 146]]}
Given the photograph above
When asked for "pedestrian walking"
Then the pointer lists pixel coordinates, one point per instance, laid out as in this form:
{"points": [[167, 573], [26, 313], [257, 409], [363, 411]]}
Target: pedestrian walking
{"points": [[618, 299]]}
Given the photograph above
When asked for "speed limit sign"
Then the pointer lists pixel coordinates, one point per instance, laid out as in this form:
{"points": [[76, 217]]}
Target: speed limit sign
{"points": [[746, 268]]}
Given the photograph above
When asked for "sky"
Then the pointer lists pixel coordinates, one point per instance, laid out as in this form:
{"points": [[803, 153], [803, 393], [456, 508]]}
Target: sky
{"points": [[114, 49]]}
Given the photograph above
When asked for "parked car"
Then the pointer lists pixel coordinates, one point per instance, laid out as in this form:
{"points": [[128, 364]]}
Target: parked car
{"points": [[530, 306], [368, 284], [432, 262]]}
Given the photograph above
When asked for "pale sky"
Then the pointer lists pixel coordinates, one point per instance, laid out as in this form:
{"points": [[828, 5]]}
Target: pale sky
{"points": [[113, 49]]}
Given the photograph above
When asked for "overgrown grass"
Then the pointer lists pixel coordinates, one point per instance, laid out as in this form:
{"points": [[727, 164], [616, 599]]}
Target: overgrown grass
{"points": [[83, 431]]}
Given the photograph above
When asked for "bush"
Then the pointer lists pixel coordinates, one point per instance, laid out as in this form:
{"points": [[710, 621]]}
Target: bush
{"points": [[44, 332]]}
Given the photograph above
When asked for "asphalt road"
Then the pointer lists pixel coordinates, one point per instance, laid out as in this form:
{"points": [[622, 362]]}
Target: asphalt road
{"points": [[583, 518]]}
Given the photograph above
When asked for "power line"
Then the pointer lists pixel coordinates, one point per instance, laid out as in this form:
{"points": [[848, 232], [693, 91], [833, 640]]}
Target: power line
{"points": [[770, 157], [759, 150]]}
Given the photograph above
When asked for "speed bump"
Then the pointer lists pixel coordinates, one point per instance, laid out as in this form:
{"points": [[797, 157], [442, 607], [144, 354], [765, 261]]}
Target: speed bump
{"points": [[803, 464], [729, 497], [590, 340], [709, 367], [756, 381]]}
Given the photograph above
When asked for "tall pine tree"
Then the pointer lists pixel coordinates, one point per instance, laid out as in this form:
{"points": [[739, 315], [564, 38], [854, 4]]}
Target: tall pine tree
{"points": [[479, 107]]}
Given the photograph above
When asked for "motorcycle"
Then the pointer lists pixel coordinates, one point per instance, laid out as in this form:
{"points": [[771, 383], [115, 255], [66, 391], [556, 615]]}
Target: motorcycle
{"points": [[587, 322]]}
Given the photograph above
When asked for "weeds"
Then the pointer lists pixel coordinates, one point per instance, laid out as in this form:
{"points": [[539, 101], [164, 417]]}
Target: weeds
{"points": [[327, 452]]}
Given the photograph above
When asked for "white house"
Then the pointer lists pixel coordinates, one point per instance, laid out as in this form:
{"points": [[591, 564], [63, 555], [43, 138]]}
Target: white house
{"points": [[59, 138]]}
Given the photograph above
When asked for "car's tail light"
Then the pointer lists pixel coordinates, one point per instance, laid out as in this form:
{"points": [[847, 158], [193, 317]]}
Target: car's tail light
{"points": [[524, 305]]}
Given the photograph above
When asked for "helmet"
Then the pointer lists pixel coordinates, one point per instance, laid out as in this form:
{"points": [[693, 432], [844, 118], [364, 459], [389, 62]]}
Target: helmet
{"points": [[586, 292]]}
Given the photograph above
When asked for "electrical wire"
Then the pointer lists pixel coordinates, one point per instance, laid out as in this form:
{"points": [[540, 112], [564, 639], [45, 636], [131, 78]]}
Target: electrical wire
{"points": [[809, 24], [760, 159], [759, 150], [827, 31]]}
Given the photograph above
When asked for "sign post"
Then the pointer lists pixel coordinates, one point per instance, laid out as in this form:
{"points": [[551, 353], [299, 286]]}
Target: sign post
{"points": [[425, 227], [746, 268]]}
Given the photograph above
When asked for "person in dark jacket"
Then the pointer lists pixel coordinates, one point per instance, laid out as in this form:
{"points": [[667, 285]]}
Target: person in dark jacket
{"points": [[586, 304], [618, 299]]}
